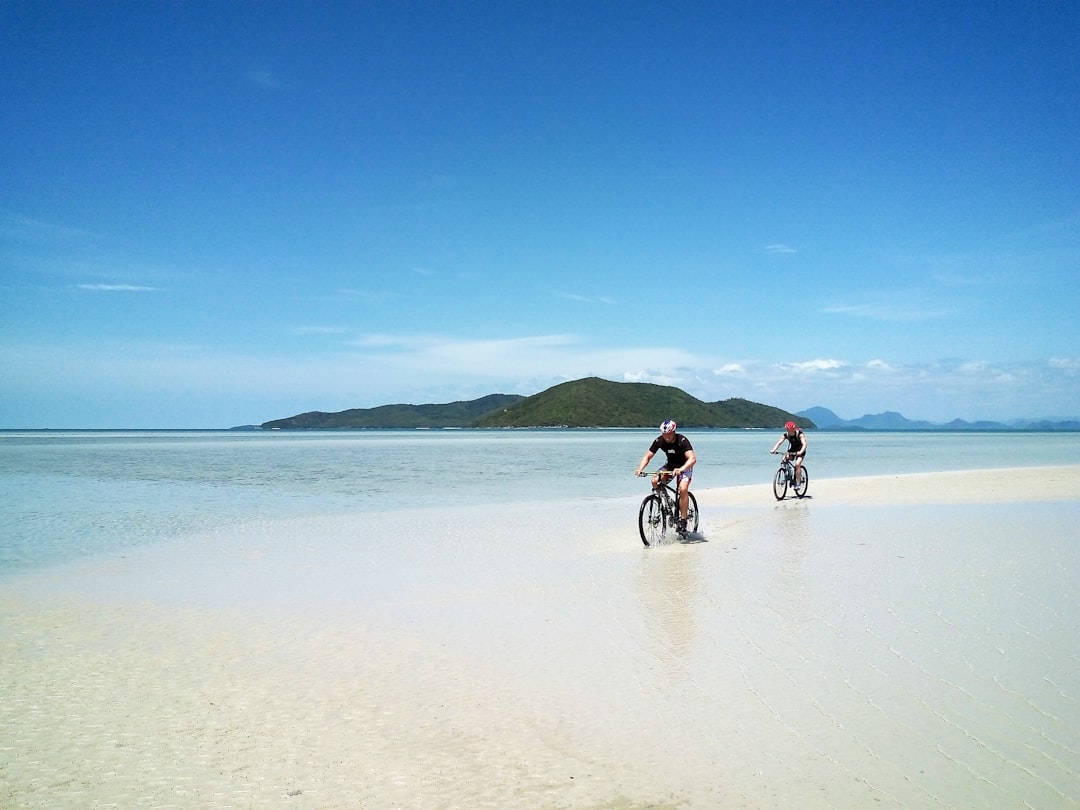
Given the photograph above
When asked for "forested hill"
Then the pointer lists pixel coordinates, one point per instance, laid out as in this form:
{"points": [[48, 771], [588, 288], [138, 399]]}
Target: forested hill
{"points": [[388, 417], [591, 402]]}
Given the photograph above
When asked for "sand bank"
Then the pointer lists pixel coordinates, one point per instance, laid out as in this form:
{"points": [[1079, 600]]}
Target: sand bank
{"points": [[899, 641], [1010, 485]]}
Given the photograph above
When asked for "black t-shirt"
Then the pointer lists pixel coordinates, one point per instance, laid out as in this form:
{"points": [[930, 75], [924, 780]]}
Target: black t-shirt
{"points": [[795, 443], [675, 451]]}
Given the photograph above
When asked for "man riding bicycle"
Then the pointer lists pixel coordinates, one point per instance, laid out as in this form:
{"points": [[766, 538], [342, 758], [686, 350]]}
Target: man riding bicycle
{"points": [[796, 450], [680, 463]]}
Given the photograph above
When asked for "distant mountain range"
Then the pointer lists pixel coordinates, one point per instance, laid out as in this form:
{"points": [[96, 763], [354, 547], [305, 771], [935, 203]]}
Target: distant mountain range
{"points": [[890, 420], [587, 403]]}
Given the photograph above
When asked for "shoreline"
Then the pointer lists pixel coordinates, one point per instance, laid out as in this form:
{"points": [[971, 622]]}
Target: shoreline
{"points": [[997, 484], [831, 651]]}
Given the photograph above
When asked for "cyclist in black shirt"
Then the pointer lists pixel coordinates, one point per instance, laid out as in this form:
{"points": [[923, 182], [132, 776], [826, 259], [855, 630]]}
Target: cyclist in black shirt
{"points": [[796, 450], [680, 461]]}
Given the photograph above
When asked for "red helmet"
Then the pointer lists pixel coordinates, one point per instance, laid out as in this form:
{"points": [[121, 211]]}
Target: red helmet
{"points": [[790, 426]]}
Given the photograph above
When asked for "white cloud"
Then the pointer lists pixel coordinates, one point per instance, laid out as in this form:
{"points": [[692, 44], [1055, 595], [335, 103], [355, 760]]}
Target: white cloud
{"points": [[367, 296], [116, 288], [779, 249], [811, 366], [585, 299], [885, 312], [375, 369], [264, 77], [319, 330], [36, 231]]}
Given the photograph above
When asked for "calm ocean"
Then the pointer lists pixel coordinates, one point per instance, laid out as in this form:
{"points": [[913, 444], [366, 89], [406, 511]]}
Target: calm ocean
{"points": [[67, 495]]}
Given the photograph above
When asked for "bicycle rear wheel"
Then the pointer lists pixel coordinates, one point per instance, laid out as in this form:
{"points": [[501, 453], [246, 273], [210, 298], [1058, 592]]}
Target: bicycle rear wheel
{"points": [[779, 484], [651, 521], [804, 482]]}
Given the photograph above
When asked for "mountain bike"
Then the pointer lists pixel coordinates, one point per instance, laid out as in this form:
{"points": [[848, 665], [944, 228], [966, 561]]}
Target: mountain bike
{"points": [[785, 476], [660, 511]]}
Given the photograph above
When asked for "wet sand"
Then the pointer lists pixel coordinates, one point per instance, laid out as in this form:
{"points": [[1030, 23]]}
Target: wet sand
{"points": [[895, 641]]}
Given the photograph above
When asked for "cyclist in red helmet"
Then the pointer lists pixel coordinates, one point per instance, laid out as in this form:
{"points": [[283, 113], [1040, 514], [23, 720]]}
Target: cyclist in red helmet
{"points": [[796, 449], [680, 461]]}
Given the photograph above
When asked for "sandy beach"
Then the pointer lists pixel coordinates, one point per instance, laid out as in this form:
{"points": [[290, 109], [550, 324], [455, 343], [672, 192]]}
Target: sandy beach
{"points": [[903, 641]]}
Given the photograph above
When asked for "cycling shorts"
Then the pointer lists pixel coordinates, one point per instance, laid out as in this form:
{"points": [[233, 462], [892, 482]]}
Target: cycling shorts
{"points": [[688, 474]]}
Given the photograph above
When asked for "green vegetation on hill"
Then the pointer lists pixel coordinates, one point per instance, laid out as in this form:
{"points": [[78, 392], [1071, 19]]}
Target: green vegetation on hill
{"points": [[593, 402], [586, 403], [390, 417]]}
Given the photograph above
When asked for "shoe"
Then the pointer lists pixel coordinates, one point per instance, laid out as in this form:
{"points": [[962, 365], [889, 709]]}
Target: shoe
{"points": [[681, 526]]}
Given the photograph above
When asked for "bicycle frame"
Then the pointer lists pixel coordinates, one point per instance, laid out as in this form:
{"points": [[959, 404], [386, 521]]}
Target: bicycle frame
{"points": [[785, 477], [659, 511]]}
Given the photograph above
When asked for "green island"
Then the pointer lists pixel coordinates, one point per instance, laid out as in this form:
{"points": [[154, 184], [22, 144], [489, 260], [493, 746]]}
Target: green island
{"points": [[587, 403]]}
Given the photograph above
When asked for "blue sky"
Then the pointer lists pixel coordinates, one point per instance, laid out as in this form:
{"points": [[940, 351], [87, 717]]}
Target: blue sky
{"points": [[214, 214]]}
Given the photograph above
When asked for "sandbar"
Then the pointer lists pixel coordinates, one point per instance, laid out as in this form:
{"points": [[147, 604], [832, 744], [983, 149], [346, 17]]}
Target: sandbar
{"points": [[890, 641]]}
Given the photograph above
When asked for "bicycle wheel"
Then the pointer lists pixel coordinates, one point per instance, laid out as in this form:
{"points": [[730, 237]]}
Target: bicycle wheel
{"points": [[651, 522], [779, 484], [691, 513], [804, 482]]}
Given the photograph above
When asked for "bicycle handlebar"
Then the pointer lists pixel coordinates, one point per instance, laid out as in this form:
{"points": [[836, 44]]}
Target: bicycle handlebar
{"points": [[661, 473]]}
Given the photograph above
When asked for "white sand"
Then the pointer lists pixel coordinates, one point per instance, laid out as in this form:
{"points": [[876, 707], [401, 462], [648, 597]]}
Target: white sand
{"points": [[899, 641]]}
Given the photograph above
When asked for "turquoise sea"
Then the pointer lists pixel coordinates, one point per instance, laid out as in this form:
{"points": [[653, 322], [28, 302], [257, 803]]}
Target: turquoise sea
{"points": [[71, 494]]}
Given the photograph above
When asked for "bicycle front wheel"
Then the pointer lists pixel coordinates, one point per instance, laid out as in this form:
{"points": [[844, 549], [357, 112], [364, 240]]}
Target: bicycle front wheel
{"points": [[691, 514], [651, 521], [779, 484], [804, 482]]}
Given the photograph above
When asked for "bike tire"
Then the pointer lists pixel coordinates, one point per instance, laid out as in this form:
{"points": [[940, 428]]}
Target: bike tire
{"points": [[691, 513], [652, 521], [779, 484], [804, 482]]}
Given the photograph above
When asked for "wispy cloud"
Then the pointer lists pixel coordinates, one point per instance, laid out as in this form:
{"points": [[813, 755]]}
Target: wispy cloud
{"points": [[546, 358], [378, 368], [35, 231], [731, 368], [885, 312], [319, 330], [369, 296], [780, 249], [1065, 363], [116, 288], [584, 299], [265, 78], [815, 365]]}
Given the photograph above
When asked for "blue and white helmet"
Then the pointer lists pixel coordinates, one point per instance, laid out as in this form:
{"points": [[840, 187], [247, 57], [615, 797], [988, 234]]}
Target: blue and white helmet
{"points": [[668, 426]]}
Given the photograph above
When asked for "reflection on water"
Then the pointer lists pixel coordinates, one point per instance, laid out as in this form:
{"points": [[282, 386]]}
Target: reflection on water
{"points": [[793, 527], [668, 587]]}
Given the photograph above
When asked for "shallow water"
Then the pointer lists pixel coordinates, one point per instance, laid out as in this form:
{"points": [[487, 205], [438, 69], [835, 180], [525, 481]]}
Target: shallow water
{"points": [[468, 619], [70, 494], [804, 654]]}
